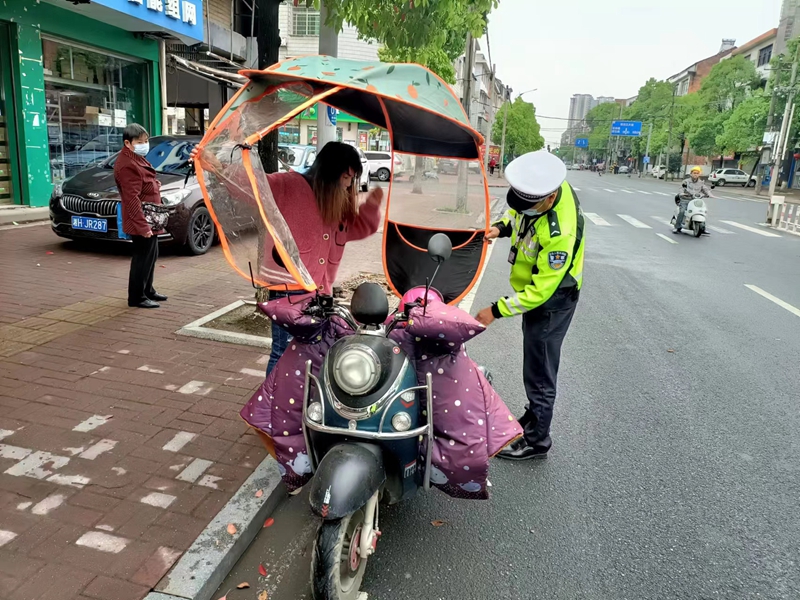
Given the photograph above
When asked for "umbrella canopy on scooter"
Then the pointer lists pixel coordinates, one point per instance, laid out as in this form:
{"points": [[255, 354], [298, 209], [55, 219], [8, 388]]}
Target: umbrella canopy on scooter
{"points": [[426, 124]]}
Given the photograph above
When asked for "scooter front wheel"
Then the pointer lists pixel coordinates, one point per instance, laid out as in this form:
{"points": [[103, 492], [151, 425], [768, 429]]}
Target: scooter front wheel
{"points": [[697, 228], [337, 568]]}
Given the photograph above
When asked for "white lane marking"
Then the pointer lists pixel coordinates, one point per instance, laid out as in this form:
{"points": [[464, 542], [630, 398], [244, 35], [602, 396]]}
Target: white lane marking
{"points": [[771, 298], [93, 452], [23, 505], [667, 238], [608, 190], [596, 219], [4, 433], [626, 191], [643, 192], [48, 505], [104, 542], [577, 189], [466, 303], [195, 469], [718, 229], [178, 441], [6, 536], [751, 229], [149, 369], [252, 372], [92, 422], [158, 499], [662, 194], [662, 220], [201, 388], [635, 222]]}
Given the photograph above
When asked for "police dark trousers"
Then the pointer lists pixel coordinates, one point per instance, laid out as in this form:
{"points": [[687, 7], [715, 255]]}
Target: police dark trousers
{"points": [[543, 331], [143, 264]]}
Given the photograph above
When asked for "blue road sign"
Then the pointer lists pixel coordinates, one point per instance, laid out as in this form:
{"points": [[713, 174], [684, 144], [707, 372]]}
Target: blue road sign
{"points": [[333, 114], [582, 142], [626, 128], [646, 160]]}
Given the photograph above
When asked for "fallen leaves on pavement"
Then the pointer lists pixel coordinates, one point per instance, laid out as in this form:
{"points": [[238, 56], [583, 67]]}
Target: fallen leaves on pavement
{"points": [[262, 595], [269, 522], [232, 529], [259, 493], [262, 571], [243, 586], [438, 523]]}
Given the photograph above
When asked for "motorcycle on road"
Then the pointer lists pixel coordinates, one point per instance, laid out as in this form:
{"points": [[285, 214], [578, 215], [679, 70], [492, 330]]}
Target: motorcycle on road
{"points": [[365, 405], [694, 218]]}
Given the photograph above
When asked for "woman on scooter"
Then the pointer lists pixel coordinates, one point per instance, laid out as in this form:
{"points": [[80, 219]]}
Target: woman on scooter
{"points": [[322, 211]]}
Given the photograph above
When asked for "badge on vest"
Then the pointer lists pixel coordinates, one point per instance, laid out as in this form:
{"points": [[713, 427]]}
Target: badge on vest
{"points": [[557, 260]]}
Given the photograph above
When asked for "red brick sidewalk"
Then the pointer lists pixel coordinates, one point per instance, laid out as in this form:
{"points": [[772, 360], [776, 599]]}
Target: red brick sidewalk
{"points": [[119, 441]]}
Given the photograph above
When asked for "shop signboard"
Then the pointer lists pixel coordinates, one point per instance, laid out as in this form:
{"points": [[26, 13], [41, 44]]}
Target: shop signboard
{"points": [[183, 18]]}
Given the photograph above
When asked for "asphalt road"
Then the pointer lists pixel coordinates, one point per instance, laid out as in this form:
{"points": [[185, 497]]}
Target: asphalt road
{"points": [[676, 457]]}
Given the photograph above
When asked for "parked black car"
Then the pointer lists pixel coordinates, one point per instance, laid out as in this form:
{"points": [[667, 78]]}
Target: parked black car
{"points": [[86, 206]]}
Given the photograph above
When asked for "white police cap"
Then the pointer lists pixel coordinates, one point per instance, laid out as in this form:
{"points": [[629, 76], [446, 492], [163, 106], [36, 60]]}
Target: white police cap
{"points": [[533, 177]]}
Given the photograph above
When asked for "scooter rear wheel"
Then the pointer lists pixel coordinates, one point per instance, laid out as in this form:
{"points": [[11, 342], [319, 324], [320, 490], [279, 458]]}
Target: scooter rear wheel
{"points": [[336, 567]]}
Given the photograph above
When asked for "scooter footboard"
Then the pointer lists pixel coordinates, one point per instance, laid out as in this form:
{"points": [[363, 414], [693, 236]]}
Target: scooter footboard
{"points": [[347, 476]]}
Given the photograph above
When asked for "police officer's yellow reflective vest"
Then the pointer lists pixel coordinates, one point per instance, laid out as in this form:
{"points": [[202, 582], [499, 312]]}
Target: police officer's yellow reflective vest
{"points": [[546, 253]]}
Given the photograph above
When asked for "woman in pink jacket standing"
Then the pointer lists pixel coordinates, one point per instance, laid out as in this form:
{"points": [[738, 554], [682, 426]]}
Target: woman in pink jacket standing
{"points": [[321, 208]]}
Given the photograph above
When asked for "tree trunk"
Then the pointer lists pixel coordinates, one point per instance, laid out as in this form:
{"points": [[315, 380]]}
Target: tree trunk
{"points": [[269, 43], [419, 170]]}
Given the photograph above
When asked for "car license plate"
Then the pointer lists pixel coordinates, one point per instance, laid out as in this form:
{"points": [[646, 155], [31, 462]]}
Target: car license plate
{"points": [[89, 224]]}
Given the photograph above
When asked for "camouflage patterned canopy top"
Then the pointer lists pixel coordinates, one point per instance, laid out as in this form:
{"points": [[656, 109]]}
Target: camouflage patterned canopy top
{"points": [[425, 116]]}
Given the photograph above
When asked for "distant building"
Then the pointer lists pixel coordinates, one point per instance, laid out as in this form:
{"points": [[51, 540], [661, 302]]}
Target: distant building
{"points": [[788, 26], [299, 27], [759, 51], [689, 80], [484, 104]]}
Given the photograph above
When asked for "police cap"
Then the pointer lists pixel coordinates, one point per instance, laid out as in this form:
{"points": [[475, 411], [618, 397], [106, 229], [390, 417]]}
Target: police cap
{"points": [[533, 177]]}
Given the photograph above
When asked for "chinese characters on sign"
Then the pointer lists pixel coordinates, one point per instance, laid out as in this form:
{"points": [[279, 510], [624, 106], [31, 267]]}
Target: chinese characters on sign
{"points": [[173, 9], [189, 13], [155, 5]]}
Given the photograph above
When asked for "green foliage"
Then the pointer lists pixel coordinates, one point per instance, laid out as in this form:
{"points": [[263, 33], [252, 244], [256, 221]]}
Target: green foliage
{"points": [[522, 129], [411, 24], [744, 129], [599, 121], [435, 58]]}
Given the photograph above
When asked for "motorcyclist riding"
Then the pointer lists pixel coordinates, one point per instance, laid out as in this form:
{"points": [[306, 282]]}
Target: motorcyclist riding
{"points": [[692, 187]]}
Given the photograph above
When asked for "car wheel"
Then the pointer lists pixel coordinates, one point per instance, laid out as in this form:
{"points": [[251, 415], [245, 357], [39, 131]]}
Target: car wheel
{"points": [[751, 183], [383, 174], [201, 232], [721, 182]]}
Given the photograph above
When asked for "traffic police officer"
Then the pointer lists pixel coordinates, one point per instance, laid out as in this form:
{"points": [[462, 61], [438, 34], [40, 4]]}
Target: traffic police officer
{"points": [[545, 224]]}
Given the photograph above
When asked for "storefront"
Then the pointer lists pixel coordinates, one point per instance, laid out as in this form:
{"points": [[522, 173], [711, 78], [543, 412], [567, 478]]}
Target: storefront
{"points": [[71, 82]]}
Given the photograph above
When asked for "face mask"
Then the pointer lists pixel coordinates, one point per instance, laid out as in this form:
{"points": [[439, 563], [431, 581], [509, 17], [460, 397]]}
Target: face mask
{"points": [[142, 149], [532, 213]]}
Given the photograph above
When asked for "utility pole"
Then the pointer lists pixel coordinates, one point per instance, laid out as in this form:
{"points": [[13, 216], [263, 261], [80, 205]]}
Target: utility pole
{"points": [[777, 157], [490, 122], [669, 135], [507, 104], [329, 46], [647, 149], [269, 44], [463, 183]]}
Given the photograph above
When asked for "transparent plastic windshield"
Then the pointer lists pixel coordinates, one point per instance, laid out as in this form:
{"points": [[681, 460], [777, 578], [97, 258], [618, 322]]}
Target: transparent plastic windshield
{"points": [[431, 195], [441, 193], [252, 229]]}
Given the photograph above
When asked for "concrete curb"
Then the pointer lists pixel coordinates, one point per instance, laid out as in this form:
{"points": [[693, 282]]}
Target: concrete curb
{"points": [[203, 567], [11, 215], [196, 329]]}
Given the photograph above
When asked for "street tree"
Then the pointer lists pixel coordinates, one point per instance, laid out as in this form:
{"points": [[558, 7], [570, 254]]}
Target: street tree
{"points": [[599, 122], [743, 130], [522, 129]]}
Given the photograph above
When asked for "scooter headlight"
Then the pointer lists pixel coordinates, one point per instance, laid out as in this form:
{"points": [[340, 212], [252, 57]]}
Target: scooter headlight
{"points": [[698, 203], [314, 412], [357, 370], [401, 421]]}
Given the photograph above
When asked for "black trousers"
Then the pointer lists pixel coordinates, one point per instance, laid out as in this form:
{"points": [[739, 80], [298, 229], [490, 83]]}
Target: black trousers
{"points": [[543, 332], [143, 264]]}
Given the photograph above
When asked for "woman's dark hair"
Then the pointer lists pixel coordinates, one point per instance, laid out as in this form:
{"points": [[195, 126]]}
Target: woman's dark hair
{"points": [[133, 131], [336, 205]]}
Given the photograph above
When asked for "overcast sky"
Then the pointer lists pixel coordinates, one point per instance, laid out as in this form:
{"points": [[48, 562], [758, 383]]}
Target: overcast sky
{"points": [[610, 48]]}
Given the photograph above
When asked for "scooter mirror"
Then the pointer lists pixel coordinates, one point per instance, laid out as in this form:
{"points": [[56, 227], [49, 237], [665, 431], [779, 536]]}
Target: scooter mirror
{"points": [[440, 247]]}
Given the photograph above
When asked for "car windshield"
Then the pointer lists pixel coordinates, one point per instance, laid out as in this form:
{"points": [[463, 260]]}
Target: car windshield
{"points": [[290, 156], [167, 155]]}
